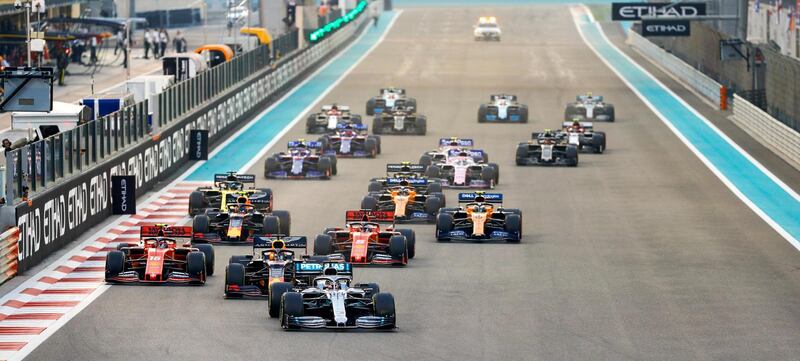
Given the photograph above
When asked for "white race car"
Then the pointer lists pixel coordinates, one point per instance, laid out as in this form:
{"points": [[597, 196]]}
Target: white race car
{"points": [[487, 29], [390, 98]]}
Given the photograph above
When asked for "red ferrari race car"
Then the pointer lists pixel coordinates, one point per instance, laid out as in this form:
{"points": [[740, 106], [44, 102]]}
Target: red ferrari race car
{"points": [[164, 254], [362, 241]]}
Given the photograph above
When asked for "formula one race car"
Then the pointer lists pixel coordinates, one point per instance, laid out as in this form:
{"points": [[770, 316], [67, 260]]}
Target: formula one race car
{"points": [[351, 141], [163, 255], [229, 187], [239, 223], [388, 99], [400, 121], [329, 118], [481, 218], [589, 107], [406, 171], [583, 135], [334, 301], [362, 241], [300, 162], [405, 202], [547, 148], [460, 170], [503, 108], [440, 155], [272, 261], [487, 29]]}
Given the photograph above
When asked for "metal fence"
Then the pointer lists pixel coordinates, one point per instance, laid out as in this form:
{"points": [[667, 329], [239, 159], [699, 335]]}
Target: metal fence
{"points": [[38, 165]]}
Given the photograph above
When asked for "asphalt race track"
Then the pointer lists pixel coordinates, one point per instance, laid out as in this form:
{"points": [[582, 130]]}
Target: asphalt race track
{"points": [[639, 253]]}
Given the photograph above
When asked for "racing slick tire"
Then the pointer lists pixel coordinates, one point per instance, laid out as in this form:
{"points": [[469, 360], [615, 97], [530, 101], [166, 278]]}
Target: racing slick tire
{"points": [[329, 229], [323, 141], [411, 241], [291, 305], [496, 172], [610, 112], [398, 248], [286, 221], [570, 112], [432, 205], [377, 125], [488, 175], [115, 263], [370, 107], [514, 225], [444, 223], [355, 119], [333, 163], [377, 140], [325, 166], [197, 202], [196, 264], [243, 260], [200, 224], [411, 102], [442, 199], [371, 147], [434, 188], [271, 164], [373, 288], [383, 305], [311, 123], [369, 202], [323, 245], [433, 171], [599, 142], [425, 160], [234, 274], [484, 157], [513, 211], [572, 155], [120, 246], [482, 114], [522, 154], [523, 113], [276, 292], [421, 126], [271, 225], [375, 187], [208, 251]]}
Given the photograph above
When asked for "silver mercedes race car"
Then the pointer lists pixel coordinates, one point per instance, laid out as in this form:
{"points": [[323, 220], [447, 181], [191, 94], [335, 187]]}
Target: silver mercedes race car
{"points": [[590, 108]]}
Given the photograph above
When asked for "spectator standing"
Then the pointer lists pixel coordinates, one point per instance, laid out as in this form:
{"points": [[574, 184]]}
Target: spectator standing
{"points": [[179, 42], [148, 41], [163, 40], [93, 50], [155, 40], [120, 41]]}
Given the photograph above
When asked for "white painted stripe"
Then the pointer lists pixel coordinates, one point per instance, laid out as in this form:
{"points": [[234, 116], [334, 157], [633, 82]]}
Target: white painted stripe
{"points": [[16, 338], [27, 323], [576, 19], [44, 309]]}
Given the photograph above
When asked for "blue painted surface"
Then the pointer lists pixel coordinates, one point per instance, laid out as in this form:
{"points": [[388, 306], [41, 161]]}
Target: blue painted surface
{"points": [[760, 189], [241, 150]]}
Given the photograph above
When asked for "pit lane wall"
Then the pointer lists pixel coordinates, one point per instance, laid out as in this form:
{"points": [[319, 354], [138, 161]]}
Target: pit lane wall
{"points": [[772, 133], [61, 214], [700, 82]]}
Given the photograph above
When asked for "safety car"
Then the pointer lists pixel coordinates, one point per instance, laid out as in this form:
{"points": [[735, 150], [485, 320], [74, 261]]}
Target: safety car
{"points": [[487, 29]]}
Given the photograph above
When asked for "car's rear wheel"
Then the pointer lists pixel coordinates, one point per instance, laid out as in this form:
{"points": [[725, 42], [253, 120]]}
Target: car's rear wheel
{"points": [[369, 202], [200, 224], [434, 188], [285, 221], [276, 292], [433, 171], [425, 160], [323, 245], [432, 205], [374, 187], [197, 202]]}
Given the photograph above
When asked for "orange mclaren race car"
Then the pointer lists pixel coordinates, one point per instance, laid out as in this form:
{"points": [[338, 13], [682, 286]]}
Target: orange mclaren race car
{"points": [[481, 218], [163, 255], [362, 241]]}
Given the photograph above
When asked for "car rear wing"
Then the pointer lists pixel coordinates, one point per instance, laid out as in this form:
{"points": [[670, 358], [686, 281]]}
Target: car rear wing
{"points": [[584, 125], [162, 230], [307, 144], [367, 215], [480, 197], [475, 153], [460, 142], [244, 178], [414, 182], [400, 167], [352, 126], [311, 268], [343, 108], [260, 242]]}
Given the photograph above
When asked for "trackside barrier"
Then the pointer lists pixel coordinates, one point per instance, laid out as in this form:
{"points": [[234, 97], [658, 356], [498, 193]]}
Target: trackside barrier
{"points": [[8, 254], [62, 212], [700, 82], [770, 132]]}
